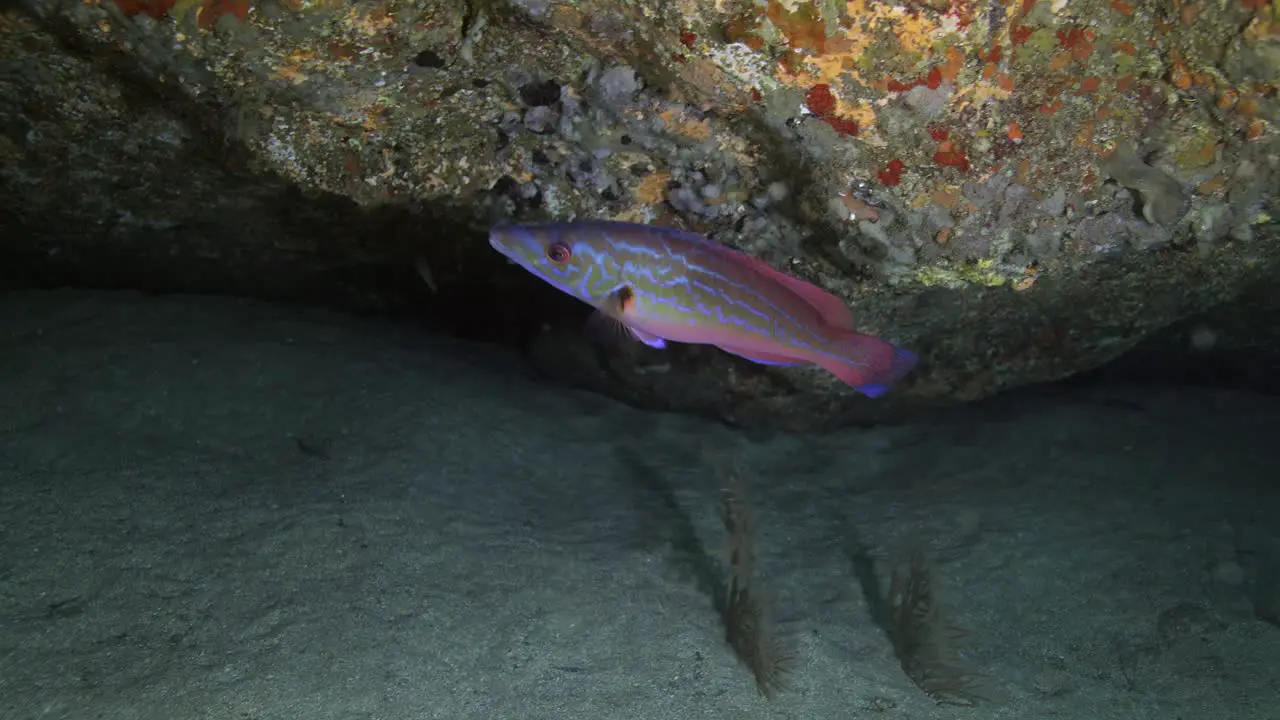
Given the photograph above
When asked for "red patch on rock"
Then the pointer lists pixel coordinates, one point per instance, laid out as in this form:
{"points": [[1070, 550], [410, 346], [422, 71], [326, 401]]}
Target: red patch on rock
{"points": [[820, 100], [844, 126], [891, 174], [934, 80], [822, 103], [952, 157], [151, 8], [210, 10]]}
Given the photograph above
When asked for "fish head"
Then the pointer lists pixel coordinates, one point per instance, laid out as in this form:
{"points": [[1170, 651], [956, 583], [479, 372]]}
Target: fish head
{"points": [[573, 261]]}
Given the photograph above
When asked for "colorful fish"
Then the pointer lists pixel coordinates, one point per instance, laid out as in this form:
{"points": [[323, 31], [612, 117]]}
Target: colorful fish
{"points": [[659, 283]]}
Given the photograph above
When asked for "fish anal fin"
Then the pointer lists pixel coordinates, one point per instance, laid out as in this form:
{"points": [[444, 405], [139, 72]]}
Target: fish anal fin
{"points": [[764, 358]]}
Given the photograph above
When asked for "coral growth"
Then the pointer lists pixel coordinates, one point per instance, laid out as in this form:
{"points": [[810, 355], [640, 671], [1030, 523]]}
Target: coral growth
{"points": [[748, 628], [923, 635]]}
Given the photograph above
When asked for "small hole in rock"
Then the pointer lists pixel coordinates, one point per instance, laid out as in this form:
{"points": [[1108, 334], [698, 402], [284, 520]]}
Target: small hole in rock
{"points": [[428, 59], [540, 94], [506, 185]]}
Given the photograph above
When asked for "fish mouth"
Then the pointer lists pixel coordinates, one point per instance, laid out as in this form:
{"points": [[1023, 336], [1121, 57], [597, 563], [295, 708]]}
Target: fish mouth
{"points": [[496, 244], [512, 248]]}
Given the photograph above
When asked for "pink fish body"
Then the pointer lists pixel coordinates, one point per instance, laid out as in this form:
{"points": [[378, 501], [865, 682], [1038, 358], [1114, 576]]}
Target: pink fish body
{"points": [[667, 284]]}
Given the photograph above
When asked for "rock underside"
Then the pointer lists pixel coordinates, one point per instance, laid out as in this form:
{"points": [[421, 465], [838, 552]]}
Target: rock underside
{"points": [[1017, 191]]}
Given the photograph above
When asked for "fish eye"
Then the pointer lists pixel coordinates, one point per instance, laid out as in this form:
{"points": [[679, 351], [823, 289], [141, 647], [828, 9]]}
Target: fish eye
{"points": [[559, 253]]}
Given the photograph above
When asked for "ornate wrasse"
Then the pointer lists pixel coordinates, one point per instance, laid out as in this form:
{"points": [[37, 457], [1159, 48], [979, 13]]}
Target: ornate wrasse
{"points": [[663, 284]]}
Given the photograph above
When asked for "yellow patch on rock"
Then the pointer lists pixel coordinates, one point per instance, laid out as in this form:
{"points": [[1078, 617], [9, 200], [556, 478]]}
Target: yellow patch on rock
{"points": [[916, 34], [653, 188], [694, 130]]}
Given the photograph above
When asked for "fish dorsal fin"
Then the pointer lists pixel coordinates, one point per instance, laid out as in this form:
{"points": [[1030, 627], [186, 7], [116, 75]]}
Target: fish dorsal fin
{"points": [[833, 309]]}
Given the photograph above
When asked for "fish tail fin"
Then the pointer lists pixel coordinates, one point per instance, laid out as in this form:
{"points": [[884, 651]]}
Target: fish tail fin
{"points": [[869, 364]]}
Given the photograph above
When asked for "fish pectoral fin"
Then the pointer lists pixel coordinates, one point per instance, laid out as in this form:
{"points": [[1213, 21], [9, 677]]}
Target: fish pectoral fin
{"points": [[652, 341], [764, 358], [608, 323], [608, 329]]}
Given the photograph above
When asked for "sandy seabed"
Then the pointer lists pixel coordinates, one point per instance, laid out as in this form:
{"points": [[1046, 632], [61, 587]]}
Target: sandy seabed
{"points": [[213, 508]]}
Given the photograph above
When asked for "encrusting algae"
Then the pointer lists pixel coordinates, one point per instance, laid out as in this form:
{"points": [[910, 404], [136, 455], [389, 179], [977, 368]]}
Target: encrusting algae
{"points": [[1027, 87], [922, 99]]}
